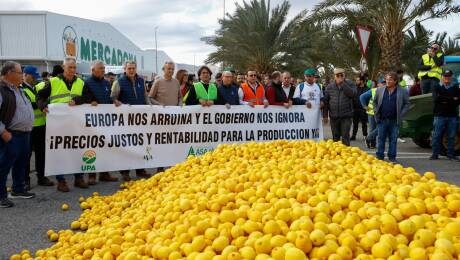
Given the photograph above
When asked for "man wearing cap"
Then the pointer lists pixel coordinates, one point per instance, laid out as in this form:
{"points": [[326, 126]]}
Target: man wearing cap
{"points": [[446, 99], [339, 100], [308, 93], [37, 137], [430, 68]]}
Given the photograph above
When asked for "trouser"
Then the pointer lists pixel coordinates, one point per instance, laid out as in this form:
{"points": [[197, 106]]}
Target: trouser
{"points": [[428, 84], [37, 144], [14, 155], [387, 128], [358, 117], [442, 125], [373, 131], [341, 129]]}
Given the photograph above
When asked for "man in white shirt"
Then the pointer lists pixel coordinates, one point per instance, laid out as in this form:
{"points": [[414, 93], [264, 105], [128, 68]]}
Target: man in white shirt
{"points": [[308, 93]]}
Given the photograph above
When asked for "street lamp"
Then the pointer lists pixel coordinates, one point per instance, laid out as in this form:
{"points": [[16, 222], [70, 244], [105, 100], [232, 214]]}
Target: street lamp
{"points": [[156, 51]]}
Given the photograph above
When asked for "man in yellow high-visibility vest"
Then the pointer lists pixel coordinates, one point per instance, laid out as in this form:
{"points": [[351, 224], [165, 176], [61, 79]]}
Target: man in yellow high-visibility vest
{"points": [[37, 137], [430, 68], [65, 88]]}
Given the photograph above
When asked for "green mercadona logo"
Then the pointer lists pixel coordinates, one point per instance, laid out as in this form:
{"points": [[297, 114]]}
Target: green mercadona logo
{"points": [[88, 158], [197, 151]]}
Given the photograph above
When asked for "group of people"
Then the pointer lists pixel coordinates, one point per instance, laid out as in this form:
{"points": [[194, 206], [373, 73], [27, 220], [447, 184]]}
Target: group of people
{"points": [[24, 103]]}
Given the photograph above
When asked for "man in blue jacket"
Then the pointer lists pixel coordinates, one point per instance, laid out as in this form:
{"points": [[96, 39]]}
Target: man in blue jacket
{"points": [[129, 89], [391, 102], [100, 89]]}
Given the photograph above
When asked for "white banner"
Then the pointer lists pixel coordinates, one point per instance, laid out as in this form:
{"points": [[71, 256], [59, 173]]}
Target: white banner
{"points": [[109, 138]]}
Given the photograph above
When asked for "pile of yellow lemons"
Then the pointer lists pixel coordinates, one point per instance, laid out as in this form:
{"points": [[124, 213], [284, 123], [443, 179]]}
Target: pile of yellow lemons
{"points": [[275, 200]]}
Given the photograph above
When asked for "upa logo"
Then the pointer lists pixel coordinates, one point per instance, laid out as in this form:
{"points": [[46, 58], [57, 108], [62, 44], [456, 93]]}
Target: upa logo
{"points": [[89, 157]]}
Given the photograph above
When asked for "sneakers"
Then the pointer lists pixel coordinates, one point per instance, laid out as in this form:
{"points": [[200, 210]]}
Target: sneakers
{"points": [[106, 177], [45, 182], [401, 140], [6, 203], [453, 158], [368, 143], [21, 195], [62, 186], [80, 183], [393, 161], [27, 186], [434, 157]]}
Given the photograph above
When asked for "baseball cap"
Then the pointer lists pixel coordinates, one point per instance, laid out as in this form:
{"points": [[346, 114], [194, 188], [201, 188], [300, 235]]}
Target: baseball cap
{"points": [[447, 73], [309, 72], [32, 71], [338, 71]]}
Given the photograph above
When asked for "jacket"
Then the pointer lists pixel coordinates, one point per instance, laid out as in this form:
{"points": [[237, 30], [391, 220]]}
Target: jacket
{"points": [[276, 95], [100, 88], [227, 95], [446, 100], [339, 100], [129, 94], [402, 103], [8, 107]]}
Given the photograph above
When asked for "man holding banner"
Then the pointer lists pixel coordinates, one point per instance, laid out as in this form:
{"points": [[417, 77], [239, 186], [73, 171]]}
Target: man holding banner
{"points": [[203, 92], [129, 89], [65, 88], [100, 94], [252, 92]]}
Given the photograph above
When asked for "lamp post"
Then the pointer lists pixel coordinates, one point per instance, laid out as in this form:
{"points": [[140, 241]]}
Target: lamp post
{"points": [[156, 51]]}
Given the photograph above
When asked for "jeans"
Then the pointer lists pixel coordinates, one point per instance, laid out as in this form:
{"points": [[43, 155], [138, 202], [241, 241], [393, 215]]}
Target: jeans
{"points": [[387, 128], [341, 129], [440, 123], [37, 144], [359, 116], [373, 131], [428, 84], [14, 155]]}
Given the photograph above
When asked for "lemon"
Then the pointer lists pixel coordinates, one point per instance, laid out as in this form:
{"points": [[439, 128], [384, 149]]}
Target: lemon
{"points": [[317, 237], [65, 207], [381, 250], [418, 253], [295, 254], [220, 243]]}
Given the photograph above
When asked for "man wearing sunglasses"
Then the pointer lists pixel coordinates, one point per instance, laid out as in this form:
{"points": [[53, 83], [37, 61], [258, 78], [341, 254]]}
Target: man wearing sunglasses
{"points": [[252, 92], [339, 106], [430, 68]]}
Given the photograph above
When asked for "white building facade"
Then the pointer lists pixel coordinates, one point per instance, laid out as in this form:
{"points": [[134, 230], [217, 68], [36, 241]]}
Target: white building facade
{"points": [[44, 39]]}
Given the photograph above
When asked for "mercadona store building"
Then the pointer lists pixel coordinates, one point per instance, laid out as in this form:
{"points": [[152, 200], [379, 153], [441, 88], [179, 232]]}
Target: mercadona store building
{"points": [[44, 39]]}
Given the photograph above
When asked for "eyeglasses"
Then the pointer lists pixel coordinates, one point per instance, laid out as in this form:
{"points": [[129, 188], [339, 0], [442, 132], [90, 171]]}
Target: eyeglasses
{"points": [[339, 75], [16, 72]]}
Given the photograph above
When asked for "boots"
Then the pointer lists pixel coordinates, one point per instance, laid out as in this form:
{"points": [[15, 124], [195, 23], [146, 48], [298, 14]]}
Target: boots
{"points": [[62, 186], [105, 176], [141, 173], [92, 179], [80, 183], [125, 175], [44, 181]]}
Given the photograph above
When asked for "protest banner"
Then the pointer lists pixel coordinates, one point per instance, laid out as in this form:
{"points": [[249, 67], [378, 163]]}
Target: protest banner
{"points": [[107, 138]]}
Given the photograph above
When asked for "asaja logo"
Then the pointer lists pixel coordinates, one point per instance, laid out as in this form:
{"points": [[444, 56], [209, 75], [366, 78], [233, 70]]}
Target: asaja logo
{"points": [[197, 151], [89, 157], [69, 42]]}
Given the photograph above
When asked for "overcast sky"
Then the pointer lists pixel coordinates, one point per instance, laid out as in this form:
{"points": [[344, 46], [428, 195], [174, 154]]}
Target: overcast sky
{"points": [[181, 23]]}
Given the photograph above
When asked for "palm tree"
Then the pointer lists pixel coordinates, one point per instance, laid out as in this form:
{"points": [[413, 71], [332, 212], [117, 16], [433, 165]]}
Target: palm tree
{"points": [[258, 37], [388, 18], [451, 46]]}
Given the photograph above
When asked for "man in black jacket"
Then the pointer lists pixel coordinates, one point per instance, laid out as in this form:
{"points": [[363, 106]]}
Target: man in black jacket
{"points": [[339, 103], [446, 99], [359, 114]]}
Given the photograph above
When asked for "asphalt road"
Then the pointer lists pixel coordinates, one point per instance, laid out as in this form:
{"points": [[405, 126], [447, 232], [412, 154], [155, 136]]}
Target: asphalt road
{"points": [[24, 226]]}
